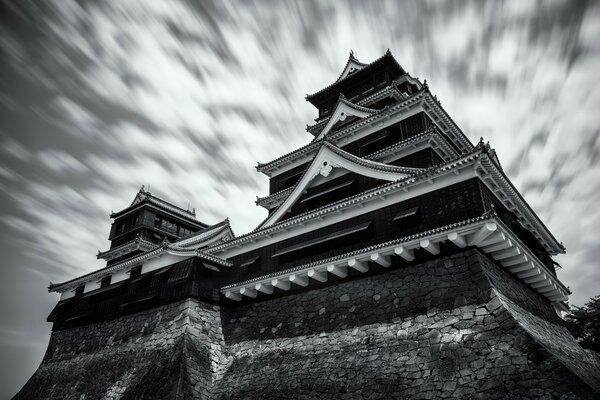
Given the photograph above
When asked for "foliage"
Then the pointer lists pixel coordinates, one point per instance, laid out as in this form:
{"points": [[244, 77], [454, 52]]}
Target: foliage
{"points": [[584, 324]]}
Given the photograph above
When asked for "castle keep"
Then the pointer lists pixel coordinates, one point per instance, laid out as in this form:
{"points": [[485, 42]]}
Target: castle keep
{"points": [[397, 260]]}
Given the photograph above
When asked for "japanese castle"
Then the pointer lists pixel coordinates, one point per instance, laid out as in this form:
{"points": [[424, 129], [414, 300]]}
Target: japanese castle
{"points": [[388, 179], [387, 193]]}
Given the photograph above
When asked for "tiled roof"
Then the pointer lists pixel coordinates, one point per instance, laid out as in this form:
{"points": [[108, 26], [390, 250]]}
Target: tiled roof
{"points": [[364, 250], [332, 136], [423, 175], [206, 234], [143, 195], [387, 54], [165, 248]]}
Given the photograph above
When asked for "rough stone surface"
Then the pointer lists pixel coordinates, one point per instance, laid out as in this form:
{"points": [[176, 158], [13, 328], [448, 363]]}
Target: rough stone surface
{"points": [[170, 352], [454, 327]]}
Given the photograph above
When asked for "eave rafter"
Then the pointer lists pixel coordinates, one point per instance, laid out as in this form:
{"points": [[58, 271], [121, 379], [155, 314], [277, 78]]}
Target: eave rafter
{"points": [[495, 179], [487, 233]]}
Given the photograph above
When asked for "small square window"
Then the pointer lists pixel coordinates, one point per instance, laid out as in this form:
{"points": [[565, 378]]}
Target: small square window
{"points": [[135, 272], [105, 281]]}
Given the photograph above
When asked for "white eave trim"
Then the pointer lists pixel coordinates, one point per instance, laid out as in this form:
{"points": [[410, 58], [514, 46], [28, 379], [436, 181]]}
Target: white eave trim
{"points": [[124, 266], [486, 233]]}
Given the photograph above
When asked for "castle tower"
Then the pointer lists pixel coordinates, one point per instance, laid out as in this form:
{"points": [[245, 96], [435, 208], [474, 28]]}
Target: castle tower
{"points": [[145, 224], [397, 260]]}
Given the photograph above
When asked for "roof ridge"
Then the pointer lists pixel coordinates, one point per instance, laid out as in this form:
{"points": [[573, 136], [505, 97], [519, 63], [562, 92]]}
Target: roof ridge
{"points": [[388, 53]]}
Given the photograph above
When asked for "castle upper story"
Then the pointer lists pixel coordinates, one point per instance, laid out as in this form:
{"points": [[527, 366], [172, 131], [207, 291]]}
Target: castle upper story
{"points": [[386, 179]]}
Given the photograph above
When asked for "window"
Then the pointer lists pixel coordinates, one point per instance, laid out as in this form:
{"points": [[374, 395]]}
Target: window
{"points": [[105, 281], [408, 218], [251, 265], [79, 290], [326, 244], [135, 272]]}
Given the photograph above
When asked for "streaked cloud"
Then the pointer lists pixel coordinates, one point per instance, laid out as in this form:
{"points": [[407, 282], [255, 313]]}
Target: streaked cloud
{"points": [[100, 98]]}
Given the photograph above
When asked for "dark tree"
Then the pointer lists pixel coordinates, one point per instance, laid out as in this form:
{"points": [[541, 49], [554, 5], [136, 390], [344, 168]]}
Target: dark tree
{"points": [[584, 324]]}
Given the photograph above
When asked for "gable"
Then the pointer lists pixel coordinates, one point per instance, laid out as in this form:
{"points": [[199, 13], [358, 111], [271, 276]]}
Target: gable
{"points": [[342, 111], [332, 161]]}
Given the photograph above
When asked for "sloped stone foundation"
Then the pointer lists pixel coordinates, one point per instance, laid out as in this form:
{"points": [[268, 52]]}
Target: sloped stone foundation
{"points": [[453, 327], [170, 352]]}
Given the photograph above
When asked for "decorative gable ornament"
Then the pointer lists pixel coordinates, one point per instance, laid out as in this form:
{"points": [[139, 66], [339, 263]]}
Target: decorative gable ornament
{"points": [[342, 111]]}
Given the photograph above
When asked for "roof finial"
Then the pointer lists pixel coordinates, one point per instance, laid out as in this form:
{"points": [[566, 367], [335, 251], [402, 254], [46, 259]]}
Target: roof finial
{"points": [[351, 53], [142, 189]]}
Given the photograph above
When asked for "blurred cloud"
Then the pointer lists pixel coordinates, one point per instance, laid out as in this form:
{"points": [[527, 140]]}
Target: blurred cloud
{"points": [[100, 98]]}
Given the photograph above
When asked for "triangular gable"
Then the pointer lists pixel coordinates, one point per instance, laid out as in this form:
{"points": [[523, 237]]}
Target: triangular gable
{"points": [[352, 65], [139, 197], [220, 232], [344, 109], [328, 158]]}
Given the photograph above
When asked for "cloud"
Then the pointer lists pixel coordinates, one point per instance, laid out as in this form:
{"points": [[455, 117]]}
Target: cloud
{"points": [[187, 96]]}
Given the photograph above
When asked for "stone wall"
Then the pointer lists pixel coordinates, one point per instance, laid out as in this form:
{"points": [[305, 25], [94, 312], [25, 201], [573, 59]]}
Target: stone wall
{"points": [[458, 326], [169, 352]]}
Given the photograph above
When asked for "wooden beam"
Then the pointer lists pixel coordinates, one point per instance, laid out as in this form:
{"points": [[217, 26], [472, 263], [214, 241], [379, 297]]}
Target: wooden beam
{"points": [[498, 246], [531, 272], [301, 280], [264, 287], [493, 239], [483, 233], [358, 265], [457, 239], [549, 288], [384, 261], [320, 276], [281, 284], [433, 248], [233, 295], [341, 270], [407, 254], [537, 278], [523, 266], [248, 292], [520, 259], [558, 297], [506, 253], [542, 281]]}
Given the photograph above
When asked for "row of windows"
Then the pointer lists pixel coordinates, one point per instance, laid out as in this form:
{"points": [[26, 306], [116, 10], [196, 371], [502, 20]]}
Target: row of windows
{"points": [[168, 225]]}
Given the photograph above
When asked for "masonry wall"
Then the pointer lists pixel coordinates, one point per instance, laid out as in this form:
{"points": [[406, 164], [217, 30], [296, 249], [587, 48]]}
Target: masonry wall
{"points": [[169, 352], [457, 326]]}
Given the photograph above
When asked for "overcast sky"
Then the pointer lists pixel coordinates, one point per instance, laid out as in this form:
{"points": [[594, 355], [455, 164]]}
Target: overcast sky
{"points": [[97, 100]]}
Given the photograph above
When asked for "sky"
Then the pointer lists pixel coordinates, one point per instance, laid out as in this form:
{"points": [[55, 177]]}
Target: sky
{"points": [[99, 98]]}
